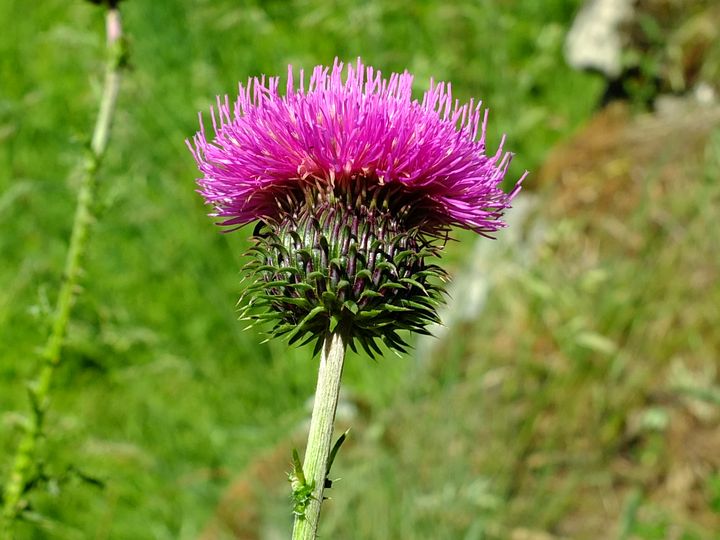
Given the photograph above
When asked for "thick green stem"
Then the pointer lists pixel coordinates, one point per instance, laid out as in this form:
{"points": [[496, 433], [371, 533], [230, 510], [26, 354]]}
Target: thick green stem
{"points": [[321, 431], [50, 357]]}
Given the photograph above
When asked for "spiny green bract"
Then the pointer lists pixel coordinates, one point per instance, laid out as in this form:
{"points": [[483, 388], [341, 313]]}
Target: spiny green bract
{"points": [[345, 259]]}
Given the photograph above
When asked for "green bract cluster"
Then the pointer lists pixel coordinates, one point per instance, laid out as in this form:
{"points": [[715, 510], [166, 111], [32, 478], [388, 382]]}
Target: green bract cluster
{"points": [[346, 258]]}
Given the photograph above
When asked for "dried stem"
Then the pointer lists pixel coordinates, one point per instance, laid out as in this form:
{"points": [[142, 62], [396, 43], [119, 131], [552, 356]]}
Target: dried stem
{"points": [[22, 470], [321, 430]]}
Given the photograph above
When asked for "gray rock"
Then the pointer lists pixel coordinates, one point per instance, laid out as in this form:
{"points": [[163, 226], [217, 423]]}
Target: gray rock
{"points": [[595, 40]]}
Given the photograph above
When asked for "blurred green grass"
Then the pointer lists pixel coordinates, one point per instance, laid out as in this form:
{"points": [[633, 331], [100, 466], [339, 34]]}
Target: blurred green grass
{"points": [[583, 403], [161, 394]]}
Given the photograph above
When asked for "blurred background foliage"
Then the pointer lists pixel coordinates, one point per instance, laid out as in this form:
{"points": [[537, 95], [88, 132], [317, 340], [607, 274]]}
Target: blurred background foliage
{"points": [[581, 401]]}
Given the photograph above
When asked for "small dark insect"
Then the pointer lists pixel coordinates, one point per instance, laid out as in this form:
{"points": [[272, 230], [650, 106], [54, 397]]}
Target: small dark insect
{"points": [[331, 459], [109, 3]]}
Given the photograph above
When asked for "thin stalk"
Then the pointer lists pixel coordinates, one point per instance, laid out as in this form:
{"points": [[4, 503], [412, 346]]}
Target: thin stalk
{"points": [[20, 474], [321, 431]]}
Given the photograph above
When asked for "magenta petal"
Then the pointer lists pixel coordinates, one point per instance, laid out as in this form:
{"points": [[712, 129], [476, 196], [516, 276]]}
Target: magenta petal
{"points": [[350, 124]]}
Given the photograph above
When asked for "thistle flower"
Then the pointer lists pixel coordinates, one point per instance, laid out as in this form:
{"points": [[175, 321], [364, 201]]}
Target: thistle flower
{"points": [[354, 186]]}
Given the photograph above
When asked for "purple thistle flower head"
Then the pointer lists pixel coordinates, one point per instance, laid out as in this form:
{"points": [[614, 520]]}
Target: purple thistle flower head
{"points": [[354, 185], [360, 128]]}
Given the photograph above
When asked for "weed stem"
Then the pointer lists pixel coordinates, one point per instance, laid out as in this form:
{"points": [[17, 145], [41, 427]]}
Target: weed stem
{"points": [[321, 429], [20, 477]]}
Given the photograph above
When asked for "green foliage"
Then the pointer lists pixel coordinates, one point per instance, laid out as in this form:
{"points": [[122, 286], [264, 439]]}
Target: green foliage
{"points": [[672, 46], [566, 408], [301, 488], [162, 395]]}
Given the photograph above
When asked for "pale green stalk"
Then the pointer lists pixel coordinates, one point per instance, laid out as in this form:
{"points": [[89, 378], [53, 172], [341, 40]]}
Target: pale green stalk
{"points": [[50, 357], [321, 431]]}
